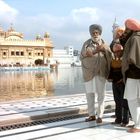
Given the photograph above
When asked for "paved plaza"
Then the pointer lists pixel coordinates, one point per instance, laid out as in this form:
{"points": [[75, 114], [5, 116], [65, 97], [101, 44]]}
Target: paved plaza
{"points": [[67, 129], [49, 106]]}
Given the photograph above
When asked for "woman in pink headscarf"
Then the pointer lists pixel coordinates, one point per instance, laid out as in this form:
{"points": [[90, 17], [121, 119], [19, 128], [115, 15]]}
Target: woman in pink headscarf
{"points": [[131, 71]]}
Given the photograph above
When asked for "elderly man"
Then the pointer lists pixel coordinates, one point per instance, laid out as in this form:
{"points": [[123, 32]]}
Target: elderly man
{"points": [[95, 57], [131, 71]]}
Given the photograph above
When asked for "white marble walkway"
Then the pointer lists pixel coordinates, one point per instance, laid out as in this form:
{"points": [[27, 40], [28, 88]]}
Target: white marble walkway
{"points": [[72, 130], [41, 106]]}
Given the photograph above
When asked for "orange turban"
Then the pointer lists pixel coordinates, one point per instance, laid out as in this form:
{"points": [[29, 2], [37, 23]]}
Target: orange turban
{"points": [[132, 24], [119, 31]]}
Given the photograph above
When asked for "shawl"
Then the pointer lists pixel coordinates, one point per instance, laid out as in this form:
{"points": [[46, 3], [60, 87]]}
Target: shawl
{"points": [[131, 54], [98, 64]]}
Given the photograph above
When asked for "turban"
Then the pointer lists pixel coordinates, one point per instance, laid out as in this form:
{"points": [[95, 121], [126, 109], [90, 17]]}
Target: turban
{"points": [[95, 27], [132, 24]]}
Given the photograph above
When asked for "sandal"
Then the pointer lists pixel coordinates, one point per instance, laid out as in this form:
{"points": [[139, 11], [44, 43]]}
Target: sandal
{"points": [[99, 120], [90, 118]]}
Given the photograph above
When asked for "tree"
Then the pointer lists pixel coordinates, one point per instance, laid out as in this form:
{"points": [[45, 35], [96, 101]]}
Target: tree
{"points": [[39, 62]]}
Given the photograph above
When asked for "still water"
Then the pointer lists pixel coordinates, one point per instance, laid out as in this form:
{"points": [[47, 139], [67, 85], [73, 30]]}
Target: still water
{"points": [[35, 84]]}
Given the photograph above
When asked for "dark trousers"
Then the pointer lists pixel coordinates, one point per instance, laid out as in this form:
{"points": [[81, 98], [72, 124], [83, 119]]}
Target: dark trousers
{"points": [[121, 109]]}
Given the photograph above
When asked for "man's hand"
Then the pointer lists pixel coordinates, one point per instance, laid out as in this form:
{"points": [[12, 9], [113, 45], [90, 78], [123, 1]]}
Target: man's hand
{"points": [[100, 48], [89, 53]]}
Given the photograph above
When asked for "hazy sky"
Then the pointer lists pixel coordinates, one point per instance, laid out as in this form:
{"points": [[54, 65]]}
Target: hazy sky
{"points": [[67, 21]]}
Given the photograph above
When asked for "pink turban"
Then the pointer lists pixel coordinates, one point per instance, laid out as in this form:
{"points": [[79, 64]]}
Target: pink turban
{"points": [[132, 24]]}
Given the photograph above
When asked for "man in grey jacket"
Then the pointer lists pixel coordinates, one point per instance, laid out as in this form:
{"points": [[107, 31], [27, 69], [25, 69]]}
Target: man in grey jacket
{"points": [[95, 58]]}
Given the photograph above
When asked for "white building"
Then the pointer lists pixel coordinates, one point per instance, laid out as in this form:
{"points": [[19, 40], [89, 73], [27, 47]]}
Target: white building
{"points": [[64, 57]]}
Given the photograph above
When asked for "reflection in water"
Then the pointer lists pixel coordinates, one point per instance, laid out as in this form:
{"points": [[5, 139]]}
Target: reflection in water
{"points": [[35, 84]]}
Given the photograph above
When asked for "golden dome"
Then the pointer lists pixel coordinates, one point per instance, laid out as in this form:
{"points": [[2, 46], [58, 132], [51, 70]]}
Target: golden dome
{"points": [[46, 35], [38, 37], [12, 34]]}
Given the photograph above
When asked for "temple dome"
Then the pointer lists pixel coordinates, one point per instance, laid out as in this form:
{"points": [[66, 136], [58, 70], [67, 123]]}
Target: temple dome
{"points": [[12, 34], [46, 35], [38, 37]]}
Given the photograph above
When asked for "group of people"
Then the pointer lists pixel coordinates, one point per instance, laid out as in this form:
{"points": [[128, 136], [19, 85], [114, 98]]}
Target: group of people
{"points": [[118, 63]]}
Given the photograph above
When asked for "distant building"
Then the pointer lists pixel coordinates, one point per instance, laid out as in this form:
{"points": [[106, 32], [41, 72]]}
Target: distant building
{"points": [[115, 25], [65, 57], [14, 50]]}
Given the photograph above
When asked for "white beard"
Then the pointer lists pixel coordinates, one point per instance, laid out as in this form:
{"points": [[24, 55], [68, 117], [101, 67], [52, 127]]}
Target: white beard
{"points": [[97, 40]]}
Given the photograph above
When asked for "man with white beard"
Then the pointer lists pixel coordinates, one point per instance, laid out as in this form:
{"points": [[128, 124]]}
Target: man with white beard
{"points": [[95, 58]]}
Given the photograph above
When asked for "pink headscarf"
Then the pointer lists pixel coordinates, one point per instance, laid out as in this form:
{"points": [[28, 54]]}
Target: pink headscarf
{"points": [[132, 24]]}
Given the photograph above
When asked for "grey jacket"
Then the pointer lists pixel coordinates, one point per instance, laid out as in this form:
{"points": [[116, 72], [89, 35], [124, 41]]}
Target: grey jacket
{"points": [[98, 64]]}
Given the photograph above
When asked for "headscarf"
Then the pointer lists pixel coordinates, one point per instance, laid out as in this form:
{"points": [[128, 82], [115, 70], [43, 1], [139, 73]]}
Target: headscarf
{"points": [[119, 31], [95, 27], [132, 24]]}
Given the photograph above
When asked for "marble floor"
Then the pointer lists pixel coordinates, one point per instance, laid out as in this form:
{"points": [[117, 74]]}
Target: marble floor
{"points": [[73, 129], [26, 109]]}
